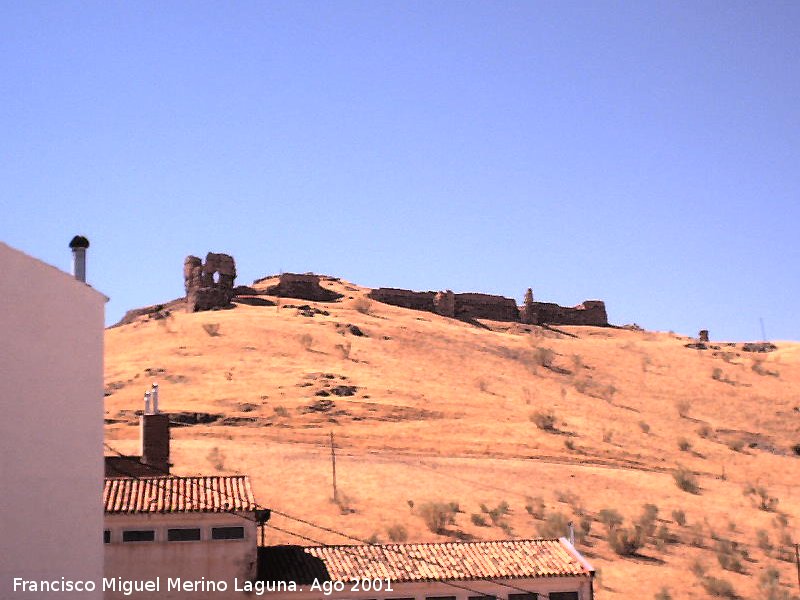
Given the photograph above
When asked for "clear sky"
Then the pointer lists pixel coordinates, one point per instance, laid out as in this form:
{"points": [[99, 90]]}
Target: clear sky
{"points": [[643, 153]]}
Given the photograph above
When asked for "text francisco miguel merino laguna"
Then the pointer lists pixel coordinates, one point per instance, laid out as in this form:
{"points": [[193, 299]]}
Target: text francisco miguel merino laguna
{"points": [[131, 586]]}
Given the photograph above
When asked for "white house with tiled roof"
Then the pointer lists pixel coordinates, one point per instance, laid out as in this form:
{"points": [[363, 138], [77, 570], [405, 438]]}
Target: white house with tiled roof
{"points": [[173, 530], [51, 432], [509, 570]]}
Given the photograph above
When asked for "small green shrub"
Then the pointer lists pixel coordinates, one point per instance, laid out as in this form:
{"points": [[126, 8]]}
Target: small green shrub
{"points": [[663, 594], [679, 516], [647, 520], [535, 507], [555, 525], [762, 537], [610, 518], [546, 421], [721, 588], [696, 537], [477, 519], [736, 445], [397, 533], [543, 357], [211, 329], [585, 525], [686, 480], [625, 541], [684, 445], [683, 406], [437, 515], [762, 497], [644, 427], [769, 586], [665, 536], [362, 305], [728, 556], [306, 340], [697, 568]]}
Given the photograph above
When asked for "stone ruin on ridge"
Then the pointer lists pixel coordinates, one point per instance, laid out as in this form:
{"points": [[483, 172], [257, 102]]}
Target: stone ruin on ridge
{"points": [[496, 308], [209, 285]]}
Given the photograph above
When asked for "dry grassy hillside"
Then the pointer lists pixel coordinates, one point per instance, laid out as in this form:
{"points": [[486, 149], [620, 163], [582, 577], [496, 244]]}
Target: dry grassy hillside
{"points": [[518, 429]]}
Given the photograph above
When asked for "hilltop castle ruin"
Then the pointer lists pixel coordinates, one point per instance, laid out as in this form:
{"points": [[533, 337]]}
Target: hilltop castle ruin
{"points": [[210, 285]]}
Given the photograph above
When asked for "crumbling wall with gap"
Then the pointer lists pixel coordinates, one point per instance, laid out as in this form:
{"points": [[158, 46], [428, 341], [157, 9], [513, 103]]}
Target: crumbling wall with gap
{"points": [[209, 284], [590, 312], [495, 308]]}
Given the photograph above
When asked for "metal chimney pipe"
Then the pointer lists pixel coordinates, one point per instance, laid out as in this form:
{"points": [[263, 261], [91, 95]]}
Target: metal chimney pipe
{"points": [[79, 244], [147, 403], [154, 396]]}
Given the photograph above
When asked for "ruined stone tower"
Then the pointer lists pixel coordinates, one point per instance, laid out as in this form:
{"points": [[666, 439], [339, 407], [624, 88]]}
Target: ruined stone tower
{"points": [[528, 313], [208, 285]]}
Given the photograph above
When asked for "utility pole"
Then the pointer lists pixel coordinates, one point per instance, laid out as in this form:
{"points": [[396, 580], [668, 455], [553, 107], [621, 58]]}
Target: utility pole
{"points": [[797, 561], [333, 467]]}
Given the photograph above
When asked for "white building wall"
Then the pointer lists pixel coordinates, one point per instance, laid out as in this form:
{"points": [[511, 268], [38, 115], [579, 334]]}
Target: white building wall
{"points": [[51, 425], [161, 560]]}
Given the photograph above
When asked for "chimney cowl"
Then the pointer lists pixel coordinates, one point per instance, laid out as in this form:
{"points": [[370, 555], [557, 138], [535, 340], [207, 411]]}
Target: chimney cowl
{"points": [[79, 241]]}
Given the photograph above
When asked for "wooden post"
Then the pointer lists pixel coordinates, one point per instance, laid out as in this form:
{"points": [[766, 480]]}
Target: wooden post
{"points": [[333, 467], [797, 561]]}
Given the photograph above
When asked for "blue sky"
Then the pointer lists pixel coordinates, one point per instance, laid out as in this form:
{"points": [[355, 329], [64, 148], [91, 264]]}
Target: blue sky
{"points": [[644, 153]]}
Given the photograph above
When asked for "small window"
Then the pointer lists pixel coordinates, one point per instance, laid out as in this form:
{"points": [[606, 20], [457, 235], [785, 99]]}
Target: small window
{"points": [[227, 533], [183, 535], [563, 595], [531, 596], [138, 535], [107, 536], [440, 598], [483, 598]]}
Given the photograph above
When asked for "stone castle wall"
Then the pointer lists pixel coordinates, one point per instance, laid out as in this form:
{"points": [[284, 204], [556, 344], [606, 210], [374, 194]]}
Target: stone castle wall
{"points": [[404, 298], [304, 287], [486, 306], [590, 312], [495, 308]]}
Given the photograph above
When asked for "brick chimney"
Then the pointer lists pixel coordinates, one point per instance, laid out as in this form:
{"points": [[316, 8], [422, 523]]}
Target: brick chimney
{"points": [[155, 434]]}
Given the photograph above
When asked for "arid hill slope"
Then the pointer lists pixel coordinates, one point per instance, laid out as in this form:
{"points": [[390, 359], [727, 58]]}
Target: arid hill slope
{"points": [[521, 427]]}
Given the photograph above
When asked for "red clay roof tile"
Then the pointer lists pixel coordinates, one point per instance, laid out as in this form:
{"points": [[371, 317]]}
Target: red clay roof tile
{"points": [[178, 494]]}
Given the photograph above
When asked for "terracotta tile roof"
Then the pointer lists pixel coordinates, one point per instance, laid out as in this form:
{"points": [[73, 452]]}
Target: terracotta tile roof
{"points": [[178, 494], [510, 559]]}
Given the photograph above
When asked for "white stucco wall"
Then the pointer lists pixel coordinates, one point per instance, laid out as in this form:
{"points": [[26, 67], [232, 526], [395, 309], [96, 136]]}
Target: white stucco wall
{"points": [[214, 560], [51, 429]]}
